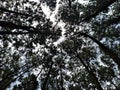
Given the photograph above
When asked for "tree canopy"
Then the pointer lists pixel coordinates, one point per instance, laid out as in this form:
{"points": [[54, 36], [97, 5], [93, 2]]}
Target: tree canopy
{"points": [[60, 45]]}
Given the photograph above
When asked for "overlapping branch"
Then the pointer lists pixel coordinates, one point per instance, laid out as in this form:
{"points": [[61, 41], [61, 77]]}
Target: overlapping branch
{"points": [[28, 29], [10, 11], [111, 21], [47, 77], [101, 7], [91, 73], [105, 49], [15, 26]]}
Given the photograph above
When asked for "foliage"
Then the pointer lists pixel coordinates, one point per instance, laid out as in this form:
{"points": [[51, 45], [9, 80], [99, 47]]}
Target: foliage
{"points": [[87, 58]]}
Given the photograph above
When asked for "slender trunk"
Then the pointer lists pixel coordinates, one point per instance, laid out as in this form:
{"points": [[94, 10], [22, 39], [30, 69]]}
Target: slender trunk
{"points": [[69, 1], [90, 71], [47, 77], [61, 81]]}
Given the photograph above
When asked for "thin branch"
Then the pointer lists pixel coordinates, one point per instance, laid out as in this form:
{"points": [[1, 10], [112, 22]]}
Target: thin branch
{"points": [[39, 73]]}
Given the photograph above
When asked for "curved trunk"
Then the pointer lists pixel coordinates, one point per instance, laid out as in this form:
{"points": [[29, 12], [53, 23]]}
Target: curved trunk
{"points": [[106, 50]]}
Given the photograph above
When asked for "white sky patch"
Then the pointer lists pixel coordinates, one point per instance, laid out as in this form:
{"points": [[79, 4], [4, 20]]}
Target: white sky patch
{"points": [[37, 1], [46, 10], [83, 1], [62, 38], [27, 5], [37, 71], [51, 15], [13, 84], [22, 60], [99, 60], [35, 23], [37, 47], [55, 11]]}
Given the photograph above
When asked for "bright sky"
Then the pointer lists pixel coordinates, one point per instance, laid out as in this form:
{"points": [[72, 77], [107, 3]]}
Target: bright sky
{"points": [[47, 11]]}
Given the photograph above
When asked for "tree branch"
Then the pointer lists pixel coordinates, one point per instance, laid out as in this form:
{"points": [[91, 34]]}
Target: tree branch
{"points": [[69, 3], [29, 29], [106, 50], [13, 33], [10, 11], [15, 26], [111, 21], [100, 8], [20, 33]]}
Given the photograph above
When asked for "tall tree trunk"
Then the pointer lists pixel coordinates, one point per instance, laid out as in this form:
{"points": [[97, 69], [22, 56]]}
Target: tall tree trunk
{"points": [[91, 73], [47, 77]]}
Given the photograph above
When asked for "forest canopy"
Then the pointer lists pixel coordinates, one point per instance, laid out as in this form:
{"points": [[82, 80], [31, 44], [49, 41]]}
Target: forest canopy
{"points": [[60, 45]]}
